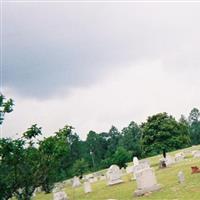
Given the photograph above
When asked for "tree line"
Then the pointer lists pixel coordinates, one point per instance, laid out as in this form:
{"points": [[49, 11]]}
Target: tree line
{"points": [[28, 162]]}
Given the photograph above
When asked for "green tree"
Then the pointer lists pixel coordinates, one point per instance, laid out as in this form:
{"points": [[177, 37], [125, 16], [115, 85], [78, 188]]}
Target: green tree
{"points": [[19, 168], [131, 139], [163, 131], [121, 157], [194, 126], [54, 153], [114, 137], [194, 115], [96, 149], [80, 167], [6, 106]]}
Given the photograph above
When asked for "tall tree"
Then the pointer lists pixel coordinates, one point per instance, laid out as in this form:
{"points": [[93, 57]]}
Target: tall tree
{"points": [[131, 139], [194, 128], [19, 166], [194, 115], [163, 131]]}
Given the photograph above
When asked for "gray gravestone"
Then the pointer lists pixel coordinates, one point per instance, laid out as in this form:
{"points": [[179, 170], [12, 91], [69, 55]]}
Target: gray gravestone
{"points": [[60, 196], [114, 175], [146, 181], [181, 177]]}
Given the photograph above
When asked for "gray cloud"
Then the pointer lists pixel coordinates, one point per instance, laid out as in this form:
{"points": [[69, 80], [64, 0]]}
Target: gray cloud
{"points": [[53, 47]]}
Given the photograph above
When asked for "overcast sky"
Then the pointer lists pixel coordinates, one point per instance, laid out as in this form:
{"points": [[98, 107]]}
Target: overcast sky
{"points": [[93, 65]]}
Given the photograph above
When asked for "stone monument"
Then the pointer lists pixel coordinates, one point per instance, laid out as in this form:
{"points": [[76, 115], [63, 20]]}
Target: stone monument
{"points": [[135, 161], [181, 177], [114, 175], [60, 196], [146, 181], [87, 187], [196, 154], [76, 182]]}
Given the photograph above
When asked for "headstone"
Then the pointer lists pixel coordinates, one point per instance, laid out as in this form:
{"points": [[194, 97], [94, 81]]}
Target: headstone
{"points": [[76, 182], [169, 160], [193, 152], [123, 171], [87, 187], [144, 161], [187, 152], [166, 162], [146, 181], [88, 176], [179, 156], [135, 161], [196, 154], [114, 175], [141, 166], [162, 163], [60, 196], [181, 177], [129, 169]]}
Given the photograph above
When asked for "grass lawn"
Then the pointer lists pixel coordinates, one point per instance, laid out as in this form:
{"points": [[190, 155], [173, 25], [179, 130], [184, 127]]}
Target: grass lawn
{"points": [[170, 190]]}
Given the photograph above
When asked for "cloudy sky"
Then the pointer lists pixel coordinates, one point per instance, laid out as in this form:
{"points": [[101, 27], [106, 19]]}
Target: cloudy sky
{"points": [[97, 64]]}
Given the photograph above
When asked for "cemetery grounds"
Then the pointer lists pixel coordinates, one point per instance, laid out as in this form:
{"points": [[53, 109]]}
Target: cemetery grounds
{"points": [[171, 189]]}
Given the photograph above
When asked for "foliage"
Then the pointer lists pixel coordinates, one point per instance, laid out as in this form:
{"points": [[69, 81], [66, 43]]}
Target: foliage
{"points": [[121, 157], [19, 168], [131, 139], [27, 163], [6, 106], [194, 128], [194, 115], [54, 152], [80, 167], [163, 131]]}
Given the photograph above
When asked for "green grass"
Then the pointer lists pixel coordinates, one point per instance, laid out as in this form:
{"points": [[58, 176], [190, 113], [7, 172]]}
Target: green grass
{"points": [[170, 190]]}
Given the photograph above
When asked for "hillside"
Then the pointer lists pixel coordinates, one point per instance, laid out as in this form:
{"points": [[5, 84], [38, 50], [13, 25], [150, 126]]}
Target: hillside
{"points": [[171, 189]]}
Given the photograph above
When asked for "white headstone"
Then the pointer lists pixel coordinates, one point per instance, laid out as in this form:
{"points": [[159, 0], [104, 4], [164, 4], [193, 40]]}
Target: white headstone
{"points": [[88, 176], [141, 166], [144, 161], [87, 187], [193, 152], [76, 182], [60, 196], [181, 177], [129, 169], [196, 154], [135, 161], [169, 160], [179, 156], [146, 181], [114, 175]]}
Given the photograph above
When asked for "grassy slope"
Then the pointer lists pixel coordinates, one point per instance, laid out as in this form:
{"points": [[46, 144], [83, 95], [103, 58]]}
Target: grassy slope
{"points": [[171, 189]]}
